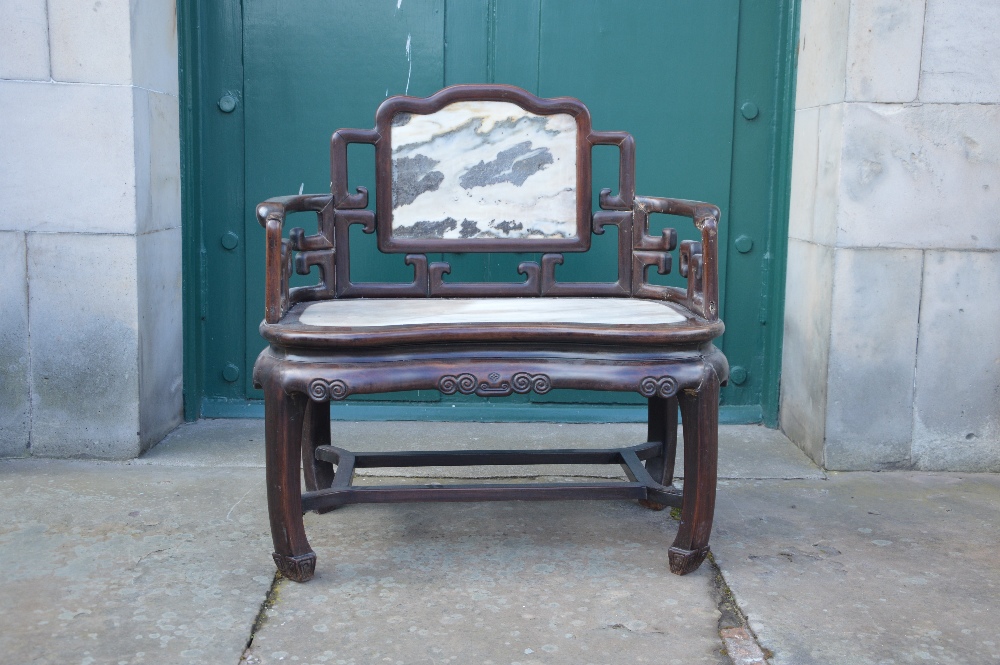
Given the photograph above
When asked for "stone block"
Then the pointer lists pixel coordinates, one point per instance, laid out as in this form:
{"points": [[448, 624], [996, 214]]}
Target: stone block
{"points": [[154, 30], [802, 204], [873, 345], [68, 160], [920, 176], [84, 340], [961, 52], [15, 406], [805, 352], [822, 61], [157, 161], [24, 40], [816, 159], [829, 154], [957, 394], [161, 334], [91, 40], [883, 50]]}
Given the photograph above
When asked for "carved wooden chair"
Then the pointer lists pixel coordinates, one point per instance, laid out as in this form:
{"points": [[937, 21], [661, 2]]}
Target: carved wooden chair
{"points": [[487, 168]]}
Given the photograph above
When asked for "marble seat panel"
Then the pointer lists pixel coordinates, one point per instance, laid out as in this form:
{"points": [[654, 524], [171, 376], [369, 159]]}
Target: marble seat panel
{"points": [[382, 312]]}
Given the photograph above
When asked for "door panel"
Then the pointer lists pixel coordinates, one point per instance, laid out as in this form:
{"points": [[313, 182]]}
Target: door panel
{"points": [[666, 71]]}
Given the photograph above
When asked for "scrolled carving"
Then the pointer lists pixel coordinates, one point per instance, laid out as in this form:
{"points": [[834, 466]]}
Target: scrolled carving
{"points": [[522, 382], [320, 390], [664, 386], [463, 383], [493, 384]]}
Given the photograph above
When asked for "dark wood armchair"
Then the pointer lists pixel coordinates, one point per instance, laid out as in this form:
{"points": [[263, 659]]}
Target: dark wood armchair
{"points": [[487, 168]]}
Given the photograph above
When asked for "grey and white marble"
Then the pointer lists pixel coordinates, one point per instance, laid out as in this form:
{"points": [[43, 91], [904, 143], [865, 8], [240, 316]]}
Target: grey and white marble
{"points": [[408, 311], [484, 170]]}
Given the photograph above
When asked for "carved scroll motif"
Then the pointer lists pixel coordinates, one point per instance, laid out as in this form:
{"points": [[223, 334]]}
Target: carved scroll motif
{"points": [[493, 385], [664, 386], [321, 391]]}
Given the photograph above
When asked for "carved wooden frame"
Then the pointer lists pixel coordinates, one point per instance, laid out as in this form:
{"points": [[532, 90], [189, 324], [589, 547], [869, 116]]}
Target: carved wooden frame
{"points": [[305, 368], [486, 93]]}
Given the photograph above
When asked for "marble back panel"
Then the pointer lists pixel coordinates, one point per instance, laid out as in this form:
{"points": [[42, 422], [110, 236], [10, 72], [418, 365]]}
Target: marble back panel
{"points": [[484, 169]]}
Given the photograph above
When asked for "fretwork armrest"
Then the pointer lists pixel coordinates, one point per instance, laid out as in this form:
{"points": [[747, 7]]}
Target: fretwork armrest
{"points": [[699, 261], [277, 259]]}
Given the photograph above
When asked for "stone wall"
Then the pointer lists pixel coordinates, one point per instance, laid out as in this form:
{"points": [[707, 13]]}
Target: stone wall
{"points": [[90, 239], [891, 347]]}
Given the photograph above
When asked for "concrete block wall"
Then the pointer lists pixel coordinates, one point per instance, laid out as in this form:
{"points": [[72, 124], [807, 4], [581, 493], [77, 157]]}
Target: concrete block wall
{"points": [[891, 349], [90, 241]]}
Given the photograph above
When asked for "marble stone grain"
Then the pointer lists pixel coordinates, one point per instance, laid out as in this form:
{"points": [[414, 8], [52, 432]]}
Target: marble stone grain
{"points": [[961, 53], [483, 170], [514, 582], [410, 312], [112, 563]]}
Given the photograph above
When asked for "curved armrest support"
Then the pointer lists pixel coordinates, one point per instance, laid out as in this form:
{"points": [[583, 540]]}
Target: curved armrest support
{"points": [[271, 215], [703, 283]]}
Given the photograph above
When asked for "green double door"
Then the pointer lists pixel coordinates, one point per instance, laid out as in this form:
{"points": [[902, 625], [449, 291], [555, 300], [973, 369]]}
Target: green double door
{"points": [[667, 71]]}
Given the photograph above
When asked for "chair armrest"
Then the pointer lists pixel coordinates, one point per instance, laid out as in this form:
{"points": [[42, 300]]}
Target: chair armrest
{"points": [[699, 261], [271, 215]]}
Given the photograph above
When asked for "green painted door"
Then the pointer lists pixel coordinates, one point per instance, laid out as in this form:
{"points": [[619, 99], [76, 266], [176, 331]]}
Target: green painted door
{"points": [[669, 72]]}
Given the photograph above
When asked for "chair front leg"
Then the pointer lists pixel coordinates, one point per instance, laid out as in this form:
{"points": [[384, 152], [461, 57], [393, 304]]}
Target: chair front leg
{"points": [[316, 432], [700, 411], [284, 416], [661, 426]]}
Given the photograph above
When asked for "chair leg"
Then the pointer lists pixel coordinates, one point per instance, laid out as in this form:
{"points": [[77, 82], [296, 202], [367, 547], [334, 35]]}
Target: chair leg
{"points": [[284, 416], [661, 426], [316, 432], [700, 410]]}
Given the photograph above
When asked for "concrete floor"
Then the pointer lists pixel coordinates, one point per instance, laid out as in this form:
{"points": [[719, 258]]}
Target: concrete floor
{"points": [[167, 559]]}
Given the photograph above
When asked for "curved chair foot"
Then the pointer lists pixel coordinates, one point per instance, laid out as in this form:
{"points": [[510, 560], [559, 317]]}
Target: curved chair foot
{"points": [[652, 505], [683, 562], [301, 568]]}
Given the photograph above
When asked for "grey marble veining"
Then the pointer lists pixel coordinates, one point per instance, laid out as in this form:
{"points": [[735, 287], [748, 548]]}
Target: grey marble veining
{"points": [[409, 311], [484, 170]]}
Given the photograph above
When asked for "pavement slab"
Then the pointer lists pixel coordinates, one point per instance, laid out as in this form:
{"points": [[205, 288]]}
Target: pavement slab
{"points": [[166, 559], [512, 583], [127, 564], [866, 568]]}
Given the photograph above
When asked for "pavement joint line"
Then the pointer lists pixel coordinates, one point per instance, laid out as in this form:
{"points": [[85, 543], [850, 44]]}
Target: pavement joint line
{"points": [[740, 643], [270, 600]]}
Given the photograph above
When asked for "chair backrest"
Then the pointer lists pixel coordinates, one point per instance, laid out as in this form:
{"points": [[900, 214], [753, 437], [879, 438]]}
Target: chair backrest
{"points": [[485, 168], [480, 168], [474, 172]]}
